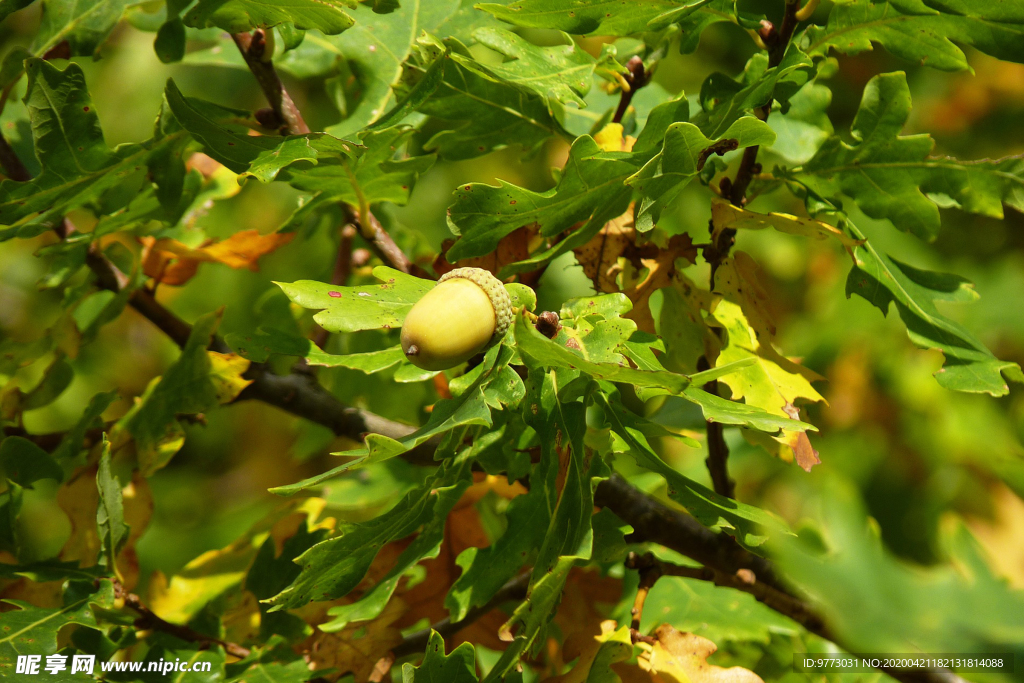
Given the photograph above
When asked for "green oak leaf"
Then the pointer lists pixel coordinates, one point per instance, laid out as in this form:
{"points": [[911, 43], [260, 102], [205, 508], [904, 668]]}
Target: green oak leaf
{"points": [[608, 17], [374, 50], [479, 112], [25, 463], [668, 172], [563, 73], [882, 280], [928, 599], [590, 181], [750, 525], [239, 16], [365, 307], [436, 667], [30, 630], [486, 570], [84, 25], [78, 167], [894, 177], [922, 38], [113, 531], [334, 567]]}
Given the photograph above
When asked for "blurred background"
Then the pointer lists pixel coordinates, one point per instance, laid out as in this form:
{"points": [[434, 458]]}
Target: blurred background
{"points": [[919, 456]]}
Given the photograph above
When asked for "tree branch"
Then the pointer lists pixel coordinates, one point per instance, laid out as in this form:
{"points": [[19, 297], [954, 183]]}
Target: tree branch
{"points": [[379, 239], [777, 43], [651, 569], [149, 620], [285, 115]]}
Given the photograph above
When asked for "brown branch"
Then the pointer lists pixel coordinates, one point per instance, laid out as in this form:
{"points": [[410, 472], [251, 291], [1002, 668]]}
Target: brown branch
{"points": [[286, 115], [655, 522], [417, 642], [379, 239], [718, 451], [651, 569], [635, 77], [150, 621], [736, 192]]}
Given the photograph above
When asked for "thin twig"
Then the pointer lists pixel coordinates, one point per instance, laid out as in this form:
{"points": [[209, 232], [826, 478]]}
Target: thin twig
{"points": [[635, 77], [651, 569], [253, 47], [718, 450], [150, 621], [380, 240]]}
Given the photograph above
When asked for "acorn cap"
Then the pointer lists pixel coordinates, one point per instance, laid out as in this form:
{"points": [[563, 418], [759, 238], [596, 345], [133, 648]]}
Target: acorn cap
{"points": [[494, 290]]}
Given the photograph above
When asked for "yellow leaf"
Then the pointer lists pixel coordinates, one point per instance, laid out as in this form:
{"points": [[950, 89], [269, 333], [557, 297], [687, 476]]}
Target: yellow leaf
{"points": [[226, 370], [772, 382], [217, 571], [725, 215], [678, 657]]}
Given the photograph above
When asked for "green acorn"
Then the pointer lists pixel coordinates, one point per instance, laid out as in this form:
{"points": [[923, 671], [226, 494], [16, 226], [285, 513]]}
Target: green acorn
{"points": [[468, 311]]}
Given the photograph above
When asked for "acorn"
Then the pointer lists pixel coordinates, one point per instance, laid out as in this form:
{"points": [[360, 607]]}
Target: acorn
{"points": [[467, 312]]}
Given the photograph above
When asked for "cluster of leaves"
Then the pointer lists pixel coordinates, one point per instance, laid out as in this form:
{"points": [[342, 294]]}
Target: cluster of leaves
{"points": [[523, 436]]}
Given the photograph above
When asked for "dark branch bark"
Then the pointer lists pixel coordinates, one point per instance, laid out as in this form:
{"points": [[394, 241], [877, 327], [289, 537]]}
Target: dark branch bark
{"points": [[379, 239], [736, 192], [655, 522], [651, 569], [148, 620], [253, 48]]}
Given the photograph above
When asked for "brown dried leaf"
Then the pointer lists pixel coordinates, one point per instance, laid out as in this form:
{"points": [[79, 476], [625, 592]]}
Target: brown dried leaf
{"points": [[661, 271], [599, 257], [580, 615], [170, 262], [513, 247], [348, 653]]}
